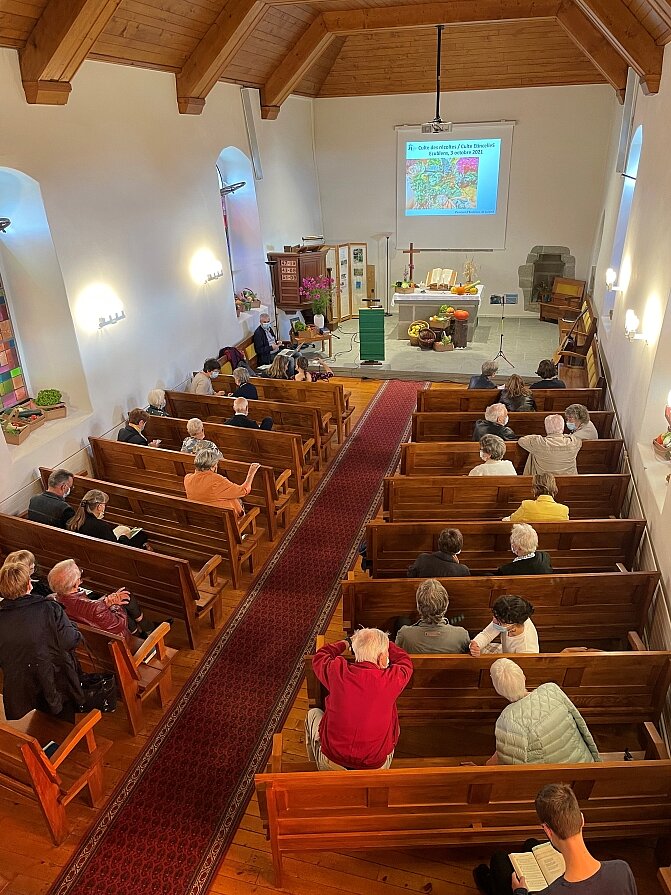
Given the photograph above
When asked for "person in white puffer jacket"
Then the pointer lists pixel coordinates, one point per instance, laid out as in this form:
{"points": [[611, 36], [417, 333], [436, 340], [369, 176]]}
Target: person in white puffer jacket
{"points": [[538, 727]]}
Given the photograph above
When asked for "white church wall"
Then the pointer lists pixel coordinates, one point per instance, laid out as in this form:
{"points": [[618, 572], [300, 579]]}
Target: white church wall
{"points": [[560, 146], [131, 195]]}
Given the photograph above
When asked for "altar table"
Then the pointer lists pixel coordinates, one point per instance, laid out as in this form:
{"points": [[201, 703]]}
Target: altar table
{"points": [[422, 304]]}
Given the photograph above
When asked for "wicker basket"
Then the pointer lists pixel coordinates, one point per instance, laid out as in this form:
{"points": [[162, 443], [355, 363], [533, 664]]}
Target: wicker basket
{"points": [[661, 452], [441, 346], [427, 339], [413, 339]]}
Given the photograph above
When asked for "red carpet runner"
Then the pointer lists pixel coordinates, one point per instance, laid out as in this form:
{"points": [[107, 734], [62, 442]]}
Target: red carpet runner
{"points": [[171, 819]]}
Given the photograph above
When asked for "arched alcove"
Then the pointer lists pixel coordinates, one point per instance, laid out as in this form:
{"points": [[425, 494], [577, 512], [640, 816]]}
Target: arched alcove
{"points": [[36, 293], [243, 226]]}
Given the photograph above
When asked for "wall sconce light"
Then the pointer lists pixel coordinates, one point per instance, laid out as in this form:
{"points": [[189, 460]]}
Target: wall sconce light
{"points": [[113, 318], [215, 275], [611, 280], [631, 324]]}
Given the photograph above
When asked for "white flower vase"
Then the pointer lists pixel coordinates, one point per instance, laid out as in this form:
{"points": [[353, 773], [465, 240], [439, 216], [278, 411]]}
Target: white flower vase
{"points": [[319, 321]]}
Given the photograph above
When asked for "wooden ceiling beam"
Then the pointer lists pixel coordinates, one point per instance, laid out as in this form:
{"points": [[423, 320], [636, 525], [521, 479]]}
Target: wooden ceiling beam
{"points": [[222, 40], [619, 24], [295, 65], [663, 10], [60, 41], [595, 46], [448, 12]]}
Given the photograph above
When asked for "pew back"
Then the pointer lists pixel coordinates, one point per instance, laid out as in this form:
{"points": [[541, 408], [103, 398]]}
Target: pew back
{"points": [[593, 610], [157, 470], [548, 400], [459, 457], [452, 499], [580, 546], [458, 426]]}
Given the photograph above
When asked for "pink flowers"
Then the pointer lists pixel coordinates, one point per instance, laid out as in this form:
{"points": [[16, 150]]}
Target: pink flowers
{"points": [[315, 287]]}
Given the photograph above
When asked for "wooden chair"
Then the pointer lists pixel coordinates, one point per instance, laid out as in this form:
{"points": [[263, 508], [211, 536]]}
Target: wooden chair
{"points": [[457, 458], [310, 423], [565, 300], [141, 667], [599, 611], [580, 546], [177, 526], [165, 586], [163, 471], [330, 397], [453, 498], [458, 426], [456, 806], [53, 782], [466, 400], [279, 450]]}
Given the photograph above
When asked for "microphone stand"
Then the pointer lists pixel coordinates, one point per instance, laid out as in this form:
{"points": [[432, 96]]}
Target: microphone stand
{"points": [[501, 354]]}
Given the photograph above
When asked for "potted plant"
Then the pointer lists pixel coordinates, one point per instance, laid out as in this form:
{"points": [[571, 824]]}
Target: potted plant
{"points": [[50, 400], [318, 291]]}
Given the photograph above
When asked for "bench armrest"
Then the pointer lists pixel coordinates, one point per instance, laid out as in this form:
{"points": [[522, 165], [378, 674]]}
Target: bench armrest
{"points": [[248, 519], [207, 569], [79, 732], [282, 479], [153, 640], [635, 642], [308, 445]]}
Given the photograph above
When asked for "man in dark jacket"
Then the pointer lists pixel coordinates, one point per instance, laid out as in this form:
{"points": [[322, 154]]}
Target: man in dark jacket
{"points": [[131, 433], [240, 418], [494, 423], [443, 563], [489, 368], [36, 643], [266, 343], [529, 560], [50, 507]]}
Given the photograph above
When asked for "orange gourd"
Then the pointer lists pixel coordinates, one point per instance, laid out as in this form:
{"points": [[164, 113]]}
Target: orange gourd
{"points": [[461, 315]]}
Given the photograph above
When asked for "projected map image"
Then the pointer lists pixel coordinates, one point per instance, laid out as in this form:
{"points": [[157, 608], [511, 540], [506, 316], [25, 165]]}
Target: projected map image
{"points": [[452, 177], [442, 183]]}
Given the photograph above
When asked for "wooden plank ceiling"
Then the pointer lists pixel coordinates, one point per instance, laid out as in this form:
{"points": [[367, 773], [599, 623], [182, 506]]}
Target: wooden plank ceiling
{"points": [[338, 47]]}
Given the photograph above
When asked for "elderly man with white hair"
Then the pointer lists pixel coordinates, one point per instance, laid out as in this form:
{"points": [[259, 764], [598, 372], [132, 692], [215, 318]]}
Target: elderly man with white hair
{"points": [[195, 440], [359, 729], [529, 560], [240, 417], [494, 423], [553, 452], [540, 726]]}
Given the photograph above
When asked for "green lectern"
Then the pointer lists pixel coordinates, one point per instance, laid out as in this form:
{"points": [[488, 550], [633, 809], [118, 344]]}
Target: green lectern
{"points": [[371, 334]]}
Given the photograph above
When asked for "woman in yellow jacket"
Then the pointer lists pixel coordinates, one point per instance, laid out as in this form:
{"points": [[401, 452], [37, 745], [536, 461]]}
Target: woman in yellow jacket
{"points": [[543, 507]]}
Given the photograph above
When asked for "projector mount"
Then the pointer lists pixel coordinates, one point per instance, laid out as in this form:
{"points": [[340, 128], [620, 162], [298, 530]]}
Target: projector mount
{"points": [[437, 126]]}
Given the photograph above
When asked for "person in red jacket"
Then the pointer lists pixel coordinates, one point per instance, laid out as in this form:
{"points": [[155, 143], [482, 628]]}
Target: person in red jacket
{"points": [[359, 729], [107, 613]]}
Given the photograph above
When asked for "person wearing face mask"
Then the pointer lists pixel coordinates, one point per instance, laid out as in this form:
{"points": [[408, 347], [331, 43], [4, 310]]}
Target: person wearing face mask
{"points": [[201, 383], [579, 423], [88, 520], [443, 563], [494, 423], [266, 342], [554, 452], [51, 507], [492, 452], [132, 432], [36, 643], [511, 624]]}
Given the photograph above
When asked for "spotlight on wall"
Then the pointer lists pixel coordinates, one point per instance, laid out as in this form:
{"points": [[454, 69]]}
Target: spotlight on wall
{"points": [[631, 324], [4, 224], [113, 318], [229, 188], [611, 280], [204, 267], [98, 305]]}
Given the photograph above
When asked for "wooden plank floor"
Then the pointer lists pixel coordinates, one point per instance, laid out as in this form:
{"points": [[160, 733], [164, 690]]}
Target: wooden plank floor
{"points": [[31, 863]]}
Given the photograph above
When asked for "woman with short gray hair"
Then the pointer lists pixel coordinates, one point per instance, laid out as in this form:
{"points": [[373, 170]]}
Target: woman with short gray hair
{"points": [[529, 560], [432, 633], [538, 727], [244, 388], [579, 423], [157, 402], [492, 452], [205, 485], [195, 440]]}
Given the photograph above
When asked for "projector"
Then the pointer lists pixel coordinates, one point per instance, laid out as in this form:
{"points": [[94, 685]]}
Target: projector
{"points": [[437, 127]]}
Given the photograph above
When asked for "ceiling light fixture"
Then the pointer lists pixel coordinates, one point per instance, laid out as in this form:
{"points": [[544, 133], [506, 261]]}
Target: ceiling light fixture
{"points": [[229, 188]]}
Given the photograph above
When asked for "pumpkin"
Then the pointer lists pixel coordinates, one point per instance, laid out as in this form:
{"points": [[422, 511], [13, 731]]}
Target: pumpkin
{"points": [[461, 315]]}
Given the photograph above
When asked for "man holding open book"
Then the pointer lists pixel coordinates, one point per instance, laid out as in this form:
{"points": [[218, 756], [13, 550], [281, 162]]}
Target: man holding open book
{"points": [[562, 865]]}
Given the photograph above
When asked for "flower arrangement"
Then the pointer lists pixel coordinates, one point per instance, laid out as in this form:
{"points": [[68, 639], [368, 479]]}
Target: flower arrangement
{"points": [[318, 291]]}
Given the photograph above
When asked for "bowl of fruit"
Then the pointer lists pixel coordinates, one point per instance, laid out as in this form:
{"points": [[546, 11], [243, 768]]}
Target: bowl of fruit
{"points": [[414, 330]]}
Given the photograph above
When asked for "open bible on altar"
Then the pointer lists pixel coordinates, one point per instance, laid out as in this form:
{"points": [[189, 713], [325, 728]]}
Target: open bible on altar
{"points": [[441, 276], [540, 866]]}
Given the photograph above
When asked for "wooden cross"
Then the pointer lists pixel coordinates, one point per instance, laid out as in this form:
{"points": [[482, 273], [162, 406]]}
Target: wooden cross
{"points": [[412, 251]]}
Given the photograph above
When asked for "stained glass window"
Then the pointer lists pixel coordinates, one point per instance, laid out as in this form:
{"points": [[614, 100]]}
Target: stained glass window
{"points": [[12, 386]]}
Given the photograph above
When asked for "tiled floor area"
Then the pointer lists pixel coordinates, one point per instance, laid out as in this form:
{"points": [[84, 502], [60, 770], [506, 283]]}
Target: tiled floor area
{"points": [[526, 341]]}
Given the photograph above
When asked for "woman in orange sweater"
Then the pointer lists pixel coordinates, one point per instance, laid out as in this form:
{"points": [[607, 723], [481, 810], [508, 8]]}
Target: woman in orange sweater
{"points": [[205, 485]]}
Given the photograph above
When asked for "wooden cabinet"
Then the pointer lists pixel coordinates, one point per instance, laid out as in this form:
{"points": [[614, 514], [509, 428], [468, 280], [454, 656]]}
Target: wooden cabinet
{"points": [[291, 268]]}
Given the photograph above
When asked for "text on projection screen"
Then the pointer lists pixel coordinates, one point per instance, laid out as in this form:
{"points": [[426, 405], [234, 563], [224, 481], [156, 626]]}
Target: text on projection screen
{"points": [[452, 188]]}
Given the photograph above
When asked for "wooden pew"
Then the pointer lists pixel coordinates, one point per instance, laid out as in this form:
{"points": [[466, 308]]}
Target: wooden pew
{"points": [[459, 457], [328, 396], [581, 546], [157, 470], [141, 667], [597, 611], [164, 585], [455, 806], [53, 782], [279, 450], [453, 498], [458, 426], [177, 526], [548, 400], [310, 423], [607, 688]]}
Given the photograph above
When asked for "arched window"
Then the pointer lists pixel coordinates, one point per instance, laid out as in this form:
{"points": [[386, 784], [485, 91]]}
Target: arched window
{"points": [[13, 388], [624, 213]]}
